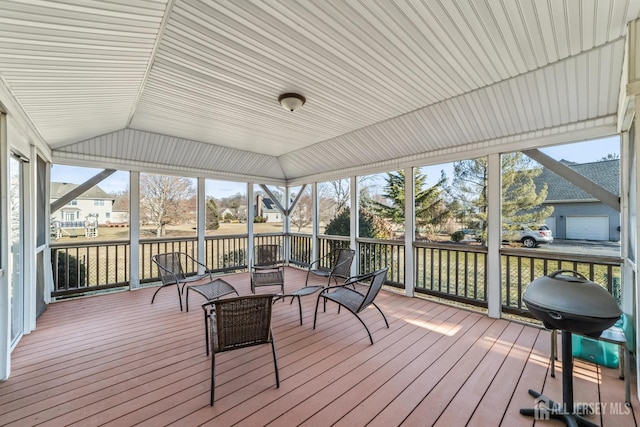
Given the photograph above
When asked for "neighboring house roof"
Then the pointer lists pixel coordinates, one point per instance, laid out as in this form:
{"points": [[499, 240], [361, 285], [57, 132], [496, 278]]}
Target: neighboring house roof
{"points": [[269, 205], [58, 189], [604, 173]]}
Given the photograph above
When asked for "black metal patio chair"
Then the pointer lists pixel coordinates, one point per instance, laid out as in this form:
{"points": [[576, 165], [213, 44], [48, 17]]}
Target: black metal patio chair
{"points": [[172, 272], [335, 265], [352, 299]]}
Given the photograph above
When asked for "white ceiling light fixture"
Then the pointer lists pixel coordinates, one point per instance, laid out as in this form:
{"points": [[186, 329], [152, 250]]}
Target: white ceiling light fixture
{"points": [[291, 101]]}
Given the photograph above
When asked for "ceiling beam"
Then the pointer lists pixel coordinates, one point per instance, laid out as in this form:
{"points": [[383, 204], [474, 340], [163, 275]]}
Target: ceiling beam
{"points": [[274, 199], [580, 181], [80, 189]]}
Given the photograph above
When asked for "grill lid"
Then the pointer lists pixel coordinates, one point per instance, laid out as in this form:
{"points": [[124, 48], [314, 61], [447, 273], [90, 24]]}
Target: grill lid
{"points": [[573, 295]]}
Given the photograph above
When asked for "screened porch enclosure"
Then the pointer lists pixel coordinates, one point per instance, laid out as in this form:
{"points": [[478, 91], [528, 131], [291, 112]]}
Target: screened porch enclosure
{"points": [[193, 91]]}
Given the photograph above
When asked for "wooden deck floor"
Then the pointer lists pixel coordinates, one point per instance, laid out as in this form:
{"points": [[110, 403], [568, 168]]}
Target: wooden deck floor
{"points": [[117, 360]]}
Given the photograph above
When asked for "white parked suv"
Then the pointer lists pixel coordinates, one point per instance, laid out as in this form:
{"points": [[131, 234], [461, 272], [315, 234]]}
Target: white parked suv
{"points": [[529, 236]]}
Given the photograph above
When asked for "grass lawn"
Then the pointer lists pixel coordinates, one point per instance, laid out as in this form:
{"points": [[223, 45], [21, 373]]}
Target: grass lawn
{"points": [[183, 230]]}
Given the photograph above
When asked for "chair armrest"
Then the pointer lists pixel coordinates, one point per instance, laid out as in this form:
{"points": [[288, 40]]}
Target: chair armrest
{"points": [[207, 270], [325, 257], [316, 262], [360, 278], [210, 306], [328, 288]]}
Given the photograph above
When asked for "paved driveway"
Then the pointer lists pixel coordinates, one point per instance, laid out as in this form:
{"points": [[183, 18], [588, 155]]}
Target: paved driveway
{"points": [[583, 247]]}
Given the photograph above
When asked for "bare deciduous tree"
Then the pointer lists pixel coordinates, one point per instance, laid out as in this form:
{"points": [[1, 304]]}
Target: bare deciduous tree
{"points": [[333, 197], [302, 215], [165, 200]]}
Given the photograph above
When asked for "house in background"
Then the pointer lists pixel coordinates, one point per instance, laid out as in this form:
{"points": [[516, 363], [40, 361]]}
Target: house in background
{"points": [[94, 202], [267, 209], [119, 212], [577, 214], [226, 212]]}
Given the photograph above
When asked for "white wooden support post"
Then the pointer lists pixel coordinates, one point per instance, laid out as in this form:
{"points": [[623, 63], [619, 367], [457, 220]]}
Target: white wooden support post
{"points": [[628, 125], [5, 305], [355, 226], [630, 237], [201, 223], [134, 230], [30, 240], [409, 231], [286, 250], [635, 278], [494, 220], [48, 272], [251, 214], [315, 221], [625, 220]]}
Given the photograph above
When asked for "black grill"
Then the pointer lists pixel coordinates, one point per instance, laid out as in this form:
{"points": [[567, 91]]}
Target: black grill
{"points": [[571, 303]]}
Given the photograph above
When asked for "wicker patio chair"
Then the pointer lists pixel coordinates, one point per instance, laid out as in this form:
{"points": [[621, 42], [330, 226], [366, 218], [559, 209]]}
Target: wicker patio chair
{"points": [[265, 270], [212, 291], [335, 265], [241, 322], [172, 272], [353, 300]]}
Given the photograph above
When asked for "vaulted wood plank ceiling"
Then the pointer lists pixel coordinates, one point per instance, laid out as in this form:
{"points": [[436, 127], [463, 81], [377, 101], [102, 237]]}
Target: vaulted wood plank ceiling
{"points": [[192, 86]]}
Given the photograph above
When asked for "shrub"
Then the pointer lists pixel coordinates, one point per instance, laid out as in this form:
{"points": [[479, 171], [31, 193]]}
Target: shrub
{"points": [[77, 272], [370, 225], [237, 258], [457, 236]]}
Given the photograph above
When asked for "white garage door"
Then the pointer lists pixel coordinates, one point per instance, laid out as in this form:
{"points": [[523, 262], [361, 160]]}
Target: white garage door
{"points": [[588, 227]]}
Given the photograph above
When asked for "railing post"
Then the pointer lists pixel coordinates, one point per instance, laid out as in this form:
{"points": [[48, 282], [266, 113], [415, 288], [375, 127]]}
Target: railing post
{"points": [[134, 230]]}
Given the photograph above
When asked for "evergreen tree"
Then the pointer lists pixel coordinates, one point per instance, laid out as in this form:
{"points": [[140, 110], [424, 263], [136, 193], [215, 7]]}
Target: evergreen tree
{"points": [[521, 201], [429, 205], [212, 215], [369, 225]]}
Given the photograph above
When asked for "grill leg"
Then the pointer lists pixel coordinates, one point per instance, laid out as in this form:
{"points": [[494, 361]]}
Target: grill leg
{"points": [[546, 408]]}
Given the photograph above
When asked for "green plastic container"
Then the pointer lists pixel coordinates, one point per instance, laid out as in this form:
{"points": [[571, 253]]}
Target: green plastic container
{"points": [[599, 352]]}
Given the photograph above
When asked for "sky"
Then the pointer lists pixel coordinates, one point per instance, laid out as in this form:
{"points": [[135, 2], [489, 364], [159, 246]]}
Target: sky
{"points": [[585, 152], [582, 152]]}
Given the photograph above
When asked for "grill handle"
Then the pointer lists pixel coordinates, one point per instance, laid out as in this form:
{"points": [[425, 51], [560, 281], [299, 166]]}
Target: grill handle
{"points": [[574, 273]]}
